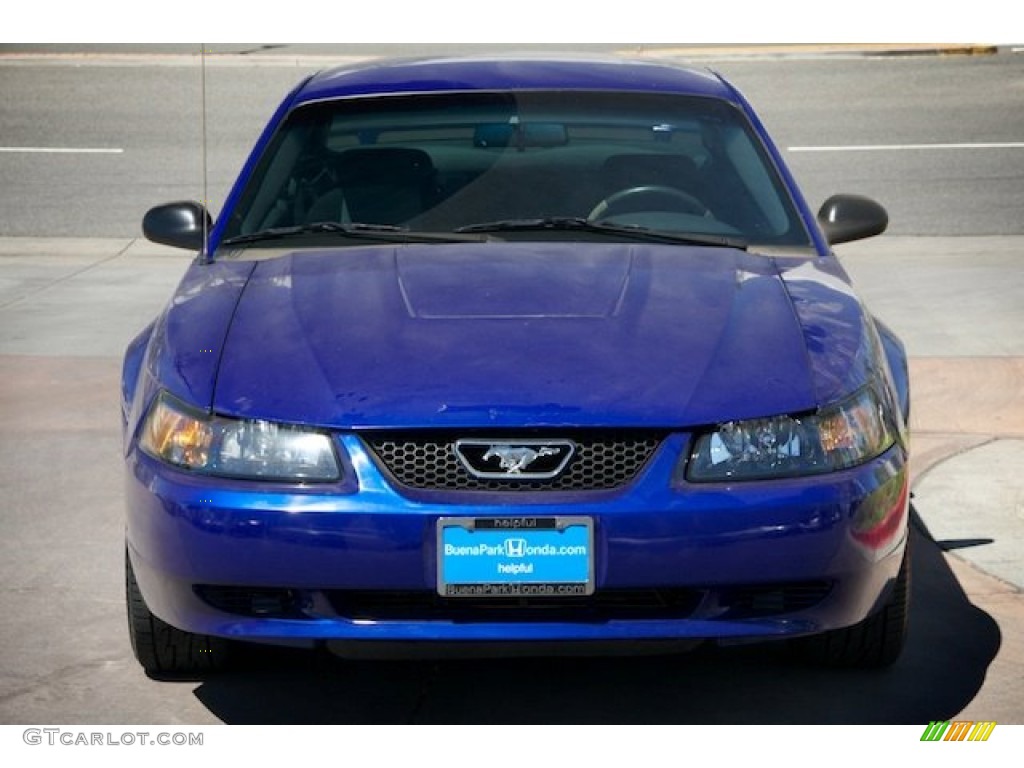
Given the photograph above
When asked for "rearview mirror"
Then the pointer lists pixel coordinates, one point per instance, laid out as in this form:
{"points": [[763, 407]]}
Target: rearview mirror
{"points": [[844, 218], [520, 135], [182, 225]]}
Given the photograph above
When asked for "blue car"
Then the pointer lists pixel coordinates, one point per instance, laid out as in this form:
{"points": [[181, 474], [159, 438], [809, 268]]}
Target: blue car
{"points": [[515, 355]]}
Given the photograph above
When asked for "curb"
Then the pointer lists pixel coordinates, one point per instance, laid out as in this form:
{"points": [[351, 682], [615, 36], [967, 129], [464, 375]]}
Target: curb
{"points": [[820, 50], [655, 51]]}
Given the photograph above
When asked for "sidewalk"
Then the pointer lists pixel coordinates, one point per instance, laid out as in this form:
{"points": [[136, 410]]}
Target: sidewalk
{"points": [[69, 306], [958, 304]]}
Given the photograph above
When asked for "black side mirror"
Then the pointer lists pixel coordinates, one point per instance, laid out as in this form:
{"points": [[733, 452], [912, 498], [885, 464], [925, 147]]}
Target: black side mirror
{"points": [[181, 225], [851, 217]]}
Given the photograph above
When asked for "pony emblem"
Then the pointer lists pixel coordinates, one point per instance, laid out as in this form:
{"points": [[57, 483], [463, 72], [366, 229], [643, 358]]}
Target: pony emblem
{"points": [[526, 459], [513, 459]]}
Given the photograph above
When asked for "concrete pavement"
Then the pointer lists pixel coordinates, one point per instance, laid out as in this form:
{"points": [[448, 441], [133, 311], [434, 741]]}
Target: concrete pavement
{"points": [[958, 303], [68, 307]]}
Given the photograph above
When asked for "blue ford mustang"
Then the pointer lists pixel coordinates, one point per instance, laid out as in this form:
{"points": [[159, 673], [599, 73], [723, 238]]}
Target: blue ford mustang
{"points": [[515, 354]]}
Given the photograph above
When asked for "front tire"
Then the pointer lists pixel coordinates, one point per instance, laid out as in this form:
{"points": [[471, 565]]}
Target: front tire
{"points": [[163, 650], [874, 643]]}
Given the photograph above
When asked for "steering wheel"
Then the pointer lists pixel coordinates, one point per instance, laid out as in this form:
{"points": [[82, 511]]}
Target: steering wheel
{"points": [[630, 198]]}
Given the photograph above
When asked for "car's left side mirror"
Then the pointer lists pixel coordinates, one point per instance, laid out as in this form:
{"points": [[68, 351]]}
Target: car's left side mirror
{"points": [[851, 217], [181, 225]]}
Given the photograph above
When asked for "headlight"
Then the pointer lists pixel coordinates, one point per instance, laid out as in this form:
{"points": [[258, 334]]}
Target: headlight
{"points": [[837, 437], [214, 445]]}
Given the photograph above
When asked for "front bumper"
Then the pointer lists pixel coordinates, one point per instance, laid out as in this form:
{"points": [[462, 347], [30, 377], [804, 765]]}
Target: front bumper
{"points": [[357, 561]]}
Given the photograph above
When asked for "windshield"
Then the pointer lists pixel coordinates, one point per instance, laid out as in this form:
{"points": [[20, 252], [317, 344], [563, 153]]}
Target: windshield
{"points": [[511, 163]]}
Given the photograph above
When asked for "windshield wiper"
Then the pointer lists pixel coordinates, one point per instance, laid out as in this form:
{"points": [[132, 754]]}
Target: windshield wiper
{"points": [[386, 232], [570, 223]]}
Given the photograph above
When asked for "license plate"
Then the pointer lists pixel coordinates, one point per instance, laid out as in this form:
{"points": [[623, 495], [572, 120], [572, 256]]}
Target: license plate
{"points": [[515, 556]]}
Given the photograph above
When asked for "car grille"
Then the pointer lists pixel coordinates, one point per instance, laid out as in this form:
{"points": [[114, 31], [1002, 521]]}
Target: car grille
{"points": [[730, 603], [602, 461], [605, 605]]}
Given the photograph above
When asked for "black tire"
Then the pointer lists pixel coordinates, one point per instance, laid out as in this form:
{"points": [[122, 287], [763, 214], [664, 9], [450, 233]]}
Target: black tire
{"points": [[874, 643], [163, 650]]}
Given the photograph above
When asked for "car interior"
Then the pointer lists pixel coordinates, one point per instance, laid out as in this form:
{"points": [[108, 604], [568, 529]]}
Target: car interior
{"points": [[448, 165]]}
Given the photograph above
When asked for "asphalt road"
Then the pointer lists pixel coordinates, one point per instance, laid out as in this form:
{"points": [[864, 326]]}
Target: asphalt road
{"points": [[76, 283], [934, 138]]}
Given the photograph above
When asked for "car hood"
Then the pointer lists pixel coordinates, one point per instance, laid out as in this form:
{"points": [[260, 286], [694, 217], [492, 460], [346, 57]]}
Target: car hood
{"points": [[516, 335]]}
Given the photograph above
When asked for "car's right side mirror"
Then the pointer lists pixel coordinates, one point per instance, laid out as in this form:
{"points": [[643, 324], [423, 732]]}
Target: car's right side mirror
{"points": [[851, 217]]}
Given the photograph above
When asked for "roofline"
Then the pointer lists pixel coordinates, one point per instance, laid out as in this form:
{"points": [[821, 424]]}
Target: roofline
{"points": [[511, 72]]}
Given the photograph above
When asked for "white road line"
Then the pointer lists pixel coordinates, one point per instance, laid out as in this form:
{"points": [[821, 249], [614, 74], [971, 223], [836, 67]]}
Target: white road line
{"points": [[901, 147], [65, 150]]}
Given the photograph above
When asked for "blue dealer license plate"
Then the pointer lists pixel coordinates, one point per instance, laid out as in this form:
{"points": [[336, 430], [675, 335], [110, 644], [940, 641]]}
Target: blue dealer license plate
{"points": [[515, 556]]}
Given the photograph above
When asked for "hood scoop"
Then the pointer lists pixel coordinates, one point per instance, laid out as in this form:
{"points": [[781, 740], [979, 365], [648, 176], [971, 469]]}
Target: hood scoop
{"points": [[528, 284]]}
